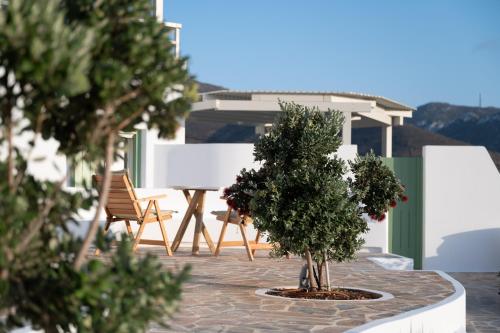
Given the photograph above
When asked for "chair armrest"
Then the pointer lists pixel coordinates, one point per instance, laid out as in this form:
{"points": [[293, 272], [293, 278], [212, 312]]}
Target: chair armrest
{"points": [[153, 197]]}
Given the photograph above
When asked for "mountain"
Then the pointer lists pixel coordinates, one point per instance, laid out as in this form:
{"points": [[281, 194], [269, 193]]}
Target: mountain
{"points": [[407, 141], [207, 87], [474, 125]]}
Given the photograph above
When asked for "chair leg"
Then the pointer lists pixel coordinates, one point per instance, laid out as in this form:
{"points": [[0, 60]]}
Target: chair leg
{"points": [[245, 241], [106, 228], [138, 236], [165, 238], [257, 238], [162, 228], [221, 238]]}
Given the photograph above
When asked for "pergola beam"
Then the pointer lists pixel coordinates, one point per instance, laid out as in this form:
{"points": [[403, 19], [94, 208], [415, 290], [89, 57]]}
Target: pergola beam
{"points": [[379, 115]]}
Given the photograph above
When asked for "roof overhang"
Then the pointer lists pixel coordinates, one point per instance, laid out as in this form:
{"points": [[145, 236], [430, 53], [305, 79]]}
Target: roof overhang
{"points": [[257, 107], [243, 105]]}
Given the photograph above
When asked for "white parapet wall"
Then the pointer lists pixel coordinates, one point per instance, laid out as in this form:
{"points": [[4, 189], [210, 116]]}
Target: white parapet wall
{"points": [[461, 210], [446, 316], [211, 166]]}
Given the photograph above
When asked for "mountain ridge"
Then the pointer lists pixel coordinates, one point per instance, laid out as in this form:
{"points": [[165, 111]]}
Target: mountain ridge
{"points": [[474, 125]]}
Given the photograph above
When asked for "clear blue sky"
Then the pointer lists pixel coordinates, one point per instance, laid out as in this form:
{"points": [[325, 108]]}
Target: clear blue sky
{"points": [[414, 52]]}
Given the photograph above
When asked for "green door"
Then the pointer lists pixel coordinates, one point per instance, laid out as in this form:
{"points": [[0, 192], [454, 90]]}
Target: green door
{"points": [[405, 221]]}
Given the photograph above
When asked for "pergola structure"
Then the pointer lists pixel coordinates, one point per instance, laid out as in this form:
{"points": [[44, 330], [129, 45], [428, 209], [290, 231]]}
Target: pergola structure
{"points": [[260, 108]]}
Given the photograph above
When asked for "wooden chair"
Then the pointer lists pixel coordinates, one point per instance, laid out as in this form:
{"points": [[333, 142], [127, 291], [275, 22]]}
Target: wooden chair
{"points": [[123, 205], [232, 217]]}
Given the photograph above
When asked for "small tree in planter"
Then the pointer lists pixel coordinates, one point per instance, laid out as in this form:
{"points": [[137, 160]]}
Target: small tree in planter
{"points": [[301, 197]]}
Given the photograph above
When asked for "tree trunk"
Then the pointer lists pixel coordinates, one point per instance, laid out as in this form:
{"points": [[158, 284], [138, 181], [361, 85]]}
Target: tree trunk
{"points": [[10, 151], [103, 198], [310, 272], [328, 285], [320, 274]]}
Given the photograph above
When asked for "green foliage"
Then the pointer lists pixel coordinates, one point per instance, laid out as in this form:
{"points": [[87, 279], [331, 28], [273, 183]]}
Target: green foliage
{"points": [[42, 59], [301, 196], [79, 71], [303, 203], [375, 185], [134, 75], [147, 292], [123, 294]]}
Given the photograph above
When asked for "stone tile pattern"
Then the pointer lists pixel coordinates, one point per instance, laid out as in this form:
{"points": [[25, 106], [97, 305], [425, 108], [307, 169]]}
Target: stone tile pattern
{"points": [[220, 296], [483, 300]]}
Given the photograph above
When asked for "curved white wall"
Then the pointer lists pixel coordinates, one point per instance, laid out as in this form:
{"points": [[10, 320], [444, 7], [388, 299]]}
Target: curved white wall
{"points": [[461, 210], [447, 316]]}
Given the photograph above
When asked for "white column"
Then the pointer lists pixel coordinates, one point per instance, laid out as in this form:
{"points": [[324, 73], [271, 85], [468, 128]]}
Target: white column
{"points": [[346, 129], [397, 121], [159, 10], [260, 129], [387, 141]]}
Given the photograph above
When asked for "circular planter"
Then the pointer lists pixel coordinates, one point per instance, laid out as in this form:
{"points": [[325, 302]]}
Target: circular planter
{"points": [[384, 296]]}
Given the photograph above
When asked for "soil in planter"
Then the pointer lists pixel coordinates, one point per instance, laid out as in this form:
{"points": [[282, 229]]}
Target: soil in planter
{"points": [[344, 294]]}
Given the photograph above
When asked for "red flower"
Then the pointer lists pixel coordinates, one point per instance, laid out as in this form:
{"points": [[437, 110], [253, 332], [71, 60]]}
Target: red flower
{"points": [[393, 203], [404, 198], [373, 216], [227, 191], [381, 217]]}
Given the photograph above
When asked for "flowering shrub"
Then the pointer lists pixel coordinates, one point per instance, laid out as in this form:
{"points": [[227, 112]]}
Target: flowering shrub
{"points": [[375, 185], [239, 195]]}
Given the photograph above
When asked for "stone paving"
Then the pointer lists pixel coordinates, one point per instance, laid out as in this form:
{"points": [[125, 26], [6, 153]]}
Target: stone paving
{"points": [[483, 301], [220, 297]]}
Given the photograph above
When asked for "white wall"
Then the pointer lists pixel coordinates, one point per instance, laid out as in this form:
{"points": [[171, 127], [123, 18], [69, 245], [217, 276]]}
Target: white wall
{"points": [[446, 316], [168, 163], [43, 161], [211, 166], [377, 239], [150, 141], [461, 210], [201, 165]]}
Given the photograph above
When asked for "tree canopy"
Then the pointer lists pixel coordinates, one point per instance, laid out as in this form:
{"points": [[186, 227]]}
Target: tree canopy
{"points": [[78, 72], [303, 197]]}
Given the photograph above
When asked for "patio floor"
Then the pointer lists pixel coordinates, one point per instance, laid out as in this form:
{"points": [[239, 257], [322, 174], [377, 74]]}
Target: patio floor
{"points": [[220, 297], [483, 301]]}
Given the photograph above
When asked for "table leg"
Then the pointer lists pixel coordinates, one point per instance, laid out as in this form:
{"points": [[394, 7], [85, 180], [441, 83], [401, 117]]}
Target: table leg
{"points": [[187, 195], [185, 221], [198, 214], [210, 243]]}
